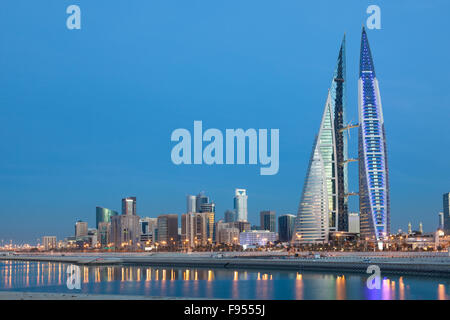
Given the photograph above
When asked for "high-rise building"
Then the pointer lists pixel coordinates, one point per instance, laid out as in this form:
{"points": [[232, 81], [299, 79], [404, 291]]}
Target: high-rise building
{"points": [[268, 220], [81, 229], [323, 204], [191, 203], [49, 242], [374, 200], [129, 206], [286, 224], [240, 204], [421, 228], [230, 216], [338, 101], [196, 229], [125, 230], [168, 229], [441, 221], [200, 199], [104, 233], [446, 203], [353, 222], [103, 215]]}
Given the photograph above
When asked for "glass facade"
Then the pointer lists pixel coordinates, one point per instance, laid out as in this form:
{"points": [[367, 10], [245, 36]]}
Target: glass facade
{"points": [[373, 169], [323, 206], [103, 215], [286, 224]]}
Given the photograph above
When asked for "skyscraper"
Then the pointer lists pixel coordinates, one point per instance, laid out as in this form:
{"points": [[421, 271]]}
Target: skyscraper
{"points": [[286, 224], [81, 229], [200, 199], [103, 215], [267, 220], [125, 230], [129, 206], [168, 229], [338, 96], [373, 169], [446, 203], [323, 205], [240, 204], [191, 203]]}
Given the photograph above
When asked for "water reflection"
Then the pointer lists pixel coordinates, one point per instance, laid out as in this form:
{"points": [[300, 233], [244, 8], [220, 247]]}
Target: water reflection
{"points": [[217, 283]]}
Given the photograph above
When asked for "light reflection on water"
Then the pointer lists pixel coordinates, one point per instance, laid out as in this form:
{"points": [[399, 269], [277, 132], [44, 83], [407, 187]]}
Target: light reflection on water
{"points": [[217, 283]]}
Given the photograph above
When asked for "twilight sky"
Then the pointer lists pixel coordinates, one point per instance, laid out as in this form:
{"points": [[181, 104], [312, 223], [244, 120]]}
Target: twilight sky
{"points": [[86, 115]]}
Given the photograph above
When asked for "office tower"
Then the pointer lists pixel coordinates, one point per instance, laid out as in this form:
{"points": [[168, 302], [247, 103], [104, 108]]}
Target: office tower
{"points": [[441, 221], [129, 206], [374, 200], [103, 215], [81, 229], [191, 203], [200, 199], [323, 204], [409, 228], [230, 216], [49, 242], [240, 204], [353, 222], [168, 229], [446, 203], [286, 224], [267, 220], [257, 237], [421, 228], [104, 233], [125, 230]]}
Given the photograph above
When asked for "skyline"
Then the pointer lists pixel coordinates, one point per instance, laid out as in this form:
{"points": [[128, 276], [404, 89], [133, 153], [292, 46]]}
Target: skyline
{"points": [[87, 121]]}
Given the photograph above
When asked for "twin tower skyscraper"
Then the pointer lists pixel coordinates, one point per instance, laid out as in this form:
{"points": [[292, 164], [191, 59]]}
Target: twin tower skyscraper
{"points": [[323, 206]]}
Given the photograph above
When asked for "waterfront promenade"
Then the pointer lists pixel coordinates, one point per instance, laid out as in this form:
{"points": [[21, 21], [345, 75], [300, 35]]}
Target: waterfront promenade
{"points": [[428, 263]]}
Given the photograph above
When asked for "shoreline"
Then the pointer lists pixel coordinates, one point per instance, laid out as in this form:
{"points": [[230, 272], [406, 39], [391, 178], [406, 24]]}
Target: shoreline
{"points": [[436, 266], [27, 295]]}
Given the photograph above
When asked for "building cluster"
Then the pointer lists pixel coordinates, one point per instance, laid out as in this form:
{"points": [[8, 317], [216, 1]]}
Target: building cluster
{"points": [[323, 215], [198, 227]]}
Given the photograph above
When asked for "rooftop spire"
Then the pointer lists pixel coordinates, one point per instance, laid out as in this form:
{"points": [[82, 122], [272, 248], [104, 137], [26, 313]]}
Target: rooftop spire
{"points": [[366, 62]]}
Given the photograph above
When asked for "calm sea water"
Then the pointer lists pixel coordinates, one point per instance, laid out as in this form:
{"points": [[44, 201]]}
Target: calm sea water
{"points": [[216, 283]]}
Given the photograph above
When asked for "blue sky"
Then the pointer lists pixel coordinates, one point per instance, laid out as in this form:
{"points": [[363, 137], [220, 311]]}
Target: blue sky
{"points": [[86, 115]]}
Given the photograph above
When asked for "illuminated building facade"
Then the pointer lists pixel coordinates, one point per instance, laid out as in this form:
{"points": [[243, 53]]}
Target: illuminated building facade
{"points": [[373, 168]]}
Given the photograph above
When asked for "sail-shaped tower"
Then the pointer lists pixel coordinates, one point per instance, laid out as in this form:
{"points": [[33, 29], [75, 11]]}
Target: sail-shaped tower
{"points": [[373, 169], [325, 185]]}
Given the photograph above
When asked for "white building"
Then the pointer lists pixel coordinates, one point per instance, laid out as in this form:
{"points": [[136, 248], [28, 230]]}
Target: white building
{"points": [[240, 204]]}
